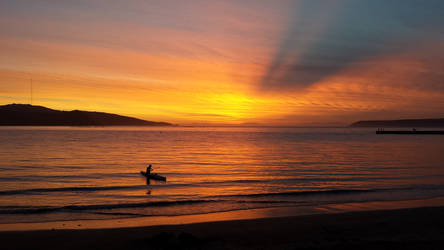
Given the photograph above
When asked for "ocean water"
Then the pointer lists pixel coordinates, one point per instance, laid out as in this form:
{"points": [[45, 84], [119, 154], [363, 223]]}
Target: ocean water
{"points": [[70, 173]]}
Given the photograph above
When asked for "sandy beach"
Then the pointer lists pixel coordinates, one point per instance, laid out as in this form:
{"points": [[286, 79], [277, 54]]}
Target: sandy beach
{"points": [[412, 228]]}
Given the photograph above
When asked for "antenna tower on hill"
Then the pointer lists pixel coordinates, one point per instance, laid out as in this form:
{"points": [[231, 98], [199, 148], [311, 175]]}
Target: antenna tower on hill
{"points": [[31, 91]]}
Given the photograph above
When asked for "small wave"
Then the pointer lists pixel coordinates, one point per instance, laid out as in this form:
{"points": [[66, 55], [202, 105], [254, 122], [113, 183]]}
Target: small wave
{"points": [[210, 183], [337, 191], [237, 198], [223, 198], [69, 167], [258, 181], [301, 193], [68, 189], [80, 208]]}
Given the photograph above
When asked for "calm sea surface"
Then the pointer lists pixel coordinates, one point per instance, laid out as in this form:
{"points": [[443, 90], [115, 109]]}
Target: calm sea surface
{"points": [[52, 174]]}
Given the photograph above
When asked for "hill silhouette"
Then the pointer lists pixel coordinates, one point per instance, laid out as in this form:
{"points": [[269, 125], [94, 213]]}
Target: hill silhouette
{"points": [[30, 115], [412, 123]]}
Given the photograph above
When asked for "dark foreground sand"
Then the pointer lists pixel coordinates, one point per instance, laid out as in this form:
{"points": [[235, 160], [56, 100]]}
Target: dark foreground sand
{"points": [[415, 228]]}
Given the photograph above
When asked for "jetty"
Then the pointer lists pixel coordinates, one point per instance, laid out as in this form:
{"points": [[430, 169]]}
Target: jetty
{"points": [[410, 132]]}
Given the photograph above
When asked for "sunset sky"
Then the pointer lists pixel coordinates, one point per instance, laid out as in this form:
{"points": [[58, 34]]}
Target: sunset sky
{"points": [[307, 62]]}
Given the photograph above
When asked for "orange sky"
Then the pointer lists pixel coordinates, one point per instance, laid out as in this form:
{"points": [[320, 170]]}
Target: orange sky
{"points": [[225, 62]]}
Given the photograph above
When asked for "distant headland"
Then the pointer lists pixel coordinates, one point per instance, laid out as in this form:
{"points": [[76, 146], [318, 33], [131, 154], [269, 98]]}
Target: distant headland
{"points": [[31, 115], [410, 123]]}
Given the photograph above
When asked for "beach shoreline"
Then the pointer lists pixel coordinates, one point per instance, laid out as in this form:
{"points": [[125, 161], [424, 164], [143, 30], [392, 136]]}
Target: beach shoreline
{"points": [[408, 228], [417, 224], [245, 214]]}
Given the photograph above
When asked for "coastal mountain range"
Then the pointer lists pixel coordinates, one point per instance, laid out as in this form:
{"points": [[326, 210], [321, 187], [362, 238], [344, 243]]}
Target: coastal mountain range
{"points": [[31, 115]]}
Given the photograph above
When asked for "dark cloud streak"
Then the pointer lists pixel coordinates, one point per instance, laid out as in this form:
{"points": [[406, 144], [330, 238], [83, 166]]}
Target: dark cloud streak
{"points": [[322, 40]]}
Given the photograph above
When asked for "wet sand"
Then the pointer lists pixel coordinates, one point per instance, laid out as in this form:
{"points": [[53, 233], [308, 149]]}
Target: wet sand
{"points": [[413, 228]]}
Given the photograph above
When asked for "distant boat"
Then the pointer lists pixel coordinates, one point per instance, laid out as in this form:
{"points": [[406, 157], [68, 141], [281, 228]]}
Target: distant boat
{"points": [[153, 176]]}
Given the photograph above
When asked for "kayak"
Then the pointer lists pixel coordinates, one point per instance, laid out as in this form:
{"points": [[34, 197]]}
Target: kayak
{"points": [[153, 176]]}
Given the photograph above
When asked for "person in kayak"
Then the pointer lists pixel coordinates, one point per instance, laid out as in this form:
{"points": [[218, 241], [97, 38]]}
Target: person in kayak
{"points": [[148, 169]]}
